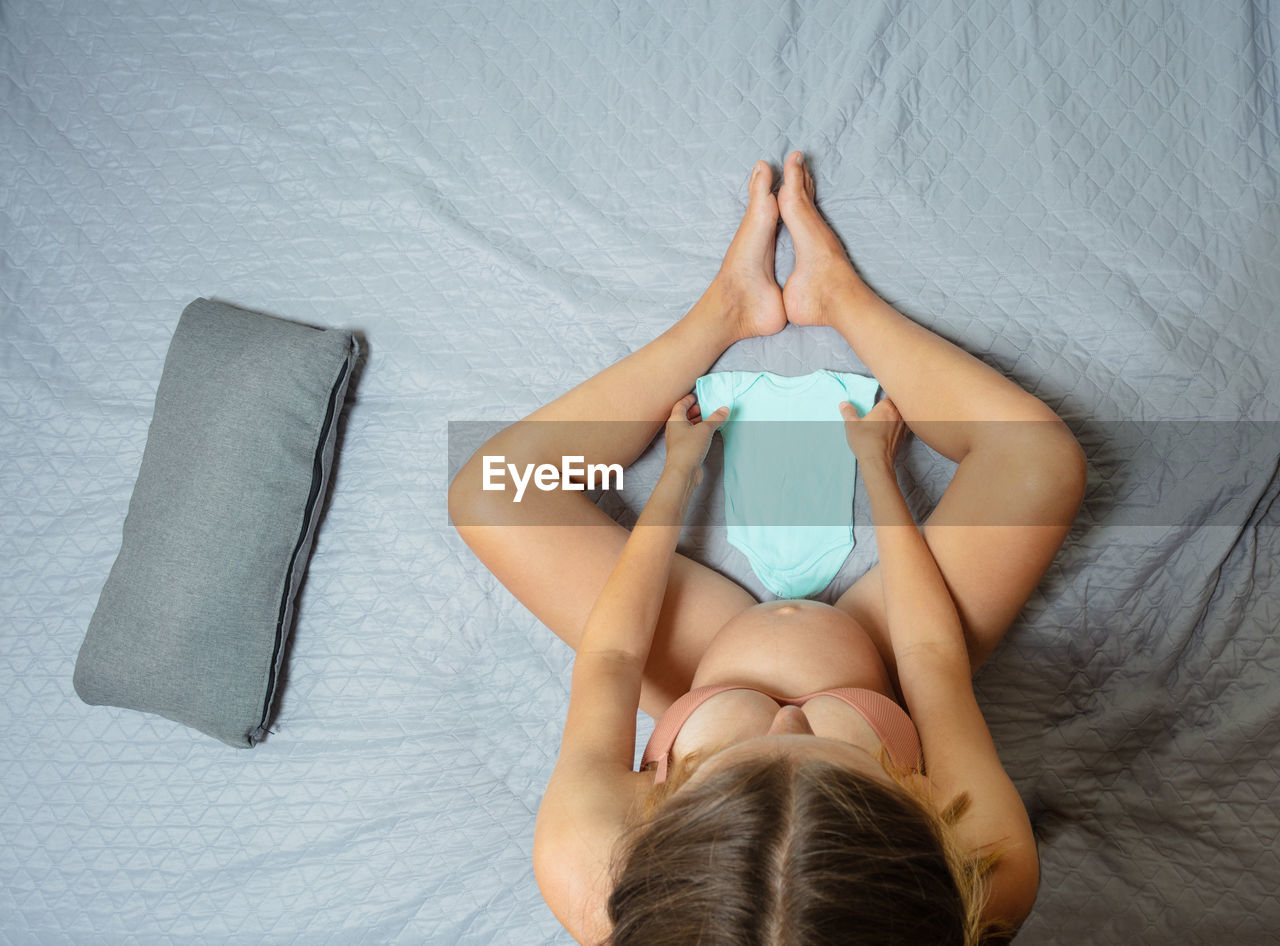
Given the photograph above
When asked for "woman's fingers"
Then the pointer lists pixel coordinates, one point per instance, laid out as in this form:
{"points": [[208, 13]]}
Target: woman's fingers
{"points": [[882, 436], [680, 410], [688, 410]]}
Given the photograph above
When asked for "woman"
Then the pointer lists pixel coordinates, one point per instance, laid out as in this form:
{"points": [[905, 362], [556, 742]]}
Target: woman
{"points": [[782, 816]]}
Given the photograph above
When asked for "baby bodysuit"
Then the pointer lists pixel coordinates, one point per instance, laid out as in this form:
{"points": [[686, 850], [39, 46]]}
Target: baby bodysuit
{"points": [[788, 471]]}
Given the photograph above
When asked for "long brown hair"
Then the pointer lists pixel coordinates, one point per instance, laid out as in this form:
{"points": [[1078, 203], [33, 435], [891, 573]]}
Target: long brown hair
{"points": [[777, 852]]}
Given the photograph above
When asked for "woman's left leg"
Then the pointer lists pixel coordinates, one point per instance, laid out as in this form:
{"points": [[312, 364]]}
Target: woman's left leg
{"points": [[555, 549]]}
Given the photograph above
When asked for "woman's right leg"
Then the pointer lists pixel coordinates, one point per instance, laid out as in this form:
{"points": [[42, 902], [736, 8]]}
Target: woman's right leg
{"points": [[554, 550], [1020, 477]]}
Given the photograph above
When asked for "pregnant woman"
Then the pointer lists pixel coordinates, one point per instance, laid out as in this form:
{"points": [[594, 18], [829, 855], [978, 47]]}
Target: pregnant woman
{"points": [[818, 774]]}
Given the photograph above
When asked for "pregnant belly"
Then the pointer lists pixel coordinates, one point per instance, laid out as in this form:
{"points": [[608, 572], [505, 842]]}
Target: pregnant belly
{"points": [[792, 649]]}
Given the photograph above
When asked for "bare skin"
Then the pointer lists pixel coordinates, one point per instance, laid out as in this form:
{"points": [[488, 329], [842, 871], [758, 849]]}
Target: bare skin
{"points": [[986, 545], [557, 572], [1021, 473]]}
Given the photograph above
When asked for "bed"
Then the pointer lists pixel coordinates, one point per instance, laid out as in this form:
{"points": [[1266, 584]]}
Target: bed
{"points": [[499, 199]]}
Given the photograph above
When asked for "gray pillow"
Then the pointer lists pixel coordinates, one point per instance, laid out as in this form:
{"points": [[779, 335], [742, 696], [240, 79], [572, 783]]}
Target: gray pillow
{"points": [[194, 618]]}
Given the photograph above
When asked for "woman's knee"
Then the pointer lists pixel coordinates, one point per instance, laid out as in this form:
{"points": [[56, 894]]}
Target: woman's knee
{"points": [[479, 493], [468, 503], [1049, 474]]}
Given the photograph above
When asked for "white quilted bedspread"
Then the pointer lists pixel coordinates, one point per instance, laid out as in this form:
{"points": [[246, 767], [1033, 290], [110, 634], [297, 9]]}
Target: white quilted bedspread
{"points": [[504, 198]]}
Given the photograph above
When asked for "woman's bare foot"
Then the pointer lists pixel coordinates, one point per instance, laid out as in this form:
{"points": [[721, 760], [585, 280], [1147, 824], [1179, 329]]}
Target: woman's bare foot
{"points": [[748, 289], [822, 269]]}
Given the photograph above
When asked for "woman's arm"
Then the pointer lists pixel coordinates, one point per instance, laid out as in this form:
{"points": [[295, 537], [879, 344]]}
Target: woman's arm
{"points": [[919, 612], [589, 798], [609, 667], [935, 677], [604, 693], [625, 613]]}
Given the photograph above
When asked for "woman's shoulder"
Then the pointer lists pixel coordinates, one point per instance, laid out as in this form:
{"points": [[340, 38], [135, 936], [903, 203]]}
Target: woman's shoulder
{"points": [[582, 817]]}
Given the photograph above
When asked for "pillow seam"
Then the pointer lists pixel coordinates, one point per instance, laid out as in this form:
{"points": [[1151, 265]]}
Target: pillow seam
{"points": [[311, 511]]}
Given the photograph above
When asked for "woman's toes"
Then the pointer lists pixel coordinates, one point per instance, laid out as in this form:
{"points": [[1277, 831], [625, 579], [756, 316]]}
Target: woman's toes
{"points": [[793, 167], [761, 182], [761, 204], [797, 186], [759, 226]]}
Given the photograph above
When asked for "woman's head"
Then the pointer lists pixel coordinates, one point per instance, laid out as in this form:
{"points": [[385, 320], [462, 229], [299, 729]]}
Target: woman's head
{"points": [[774, 850]]}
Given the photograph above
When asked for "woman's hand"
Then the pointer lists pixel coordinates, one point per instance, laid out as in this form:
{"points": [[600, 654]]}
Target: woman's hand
{"points": [[689, 435], [876, 436]]}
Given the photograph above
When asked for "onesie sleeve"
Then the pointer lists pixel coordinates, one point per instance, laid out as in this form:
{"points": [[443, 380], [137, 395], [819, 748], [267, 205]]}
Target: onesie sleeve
{"points": [[717, 390], [860, 391]]}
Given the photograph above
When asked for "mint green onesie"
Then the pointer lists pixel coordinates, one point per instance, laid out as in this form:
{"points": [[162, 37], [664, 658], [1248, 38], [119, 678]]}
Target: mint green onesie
{"points": [[788, 471]]}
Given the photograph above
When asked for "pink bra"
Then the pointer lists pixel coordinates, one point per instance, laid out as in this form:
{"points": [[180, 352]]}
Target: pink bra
{"points": [[889, 720]]}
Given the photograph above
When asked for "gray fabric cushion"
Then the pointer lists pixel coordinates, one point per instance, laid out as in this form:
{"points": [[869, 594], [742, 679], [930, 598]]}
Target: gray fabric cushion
{"points": [[194, 618]]}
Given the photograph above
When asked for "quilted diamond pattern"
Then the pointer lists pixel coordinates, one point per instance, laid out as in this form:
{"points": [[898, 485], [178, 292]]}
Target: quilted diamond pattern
{"points": [[504, 198]]}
